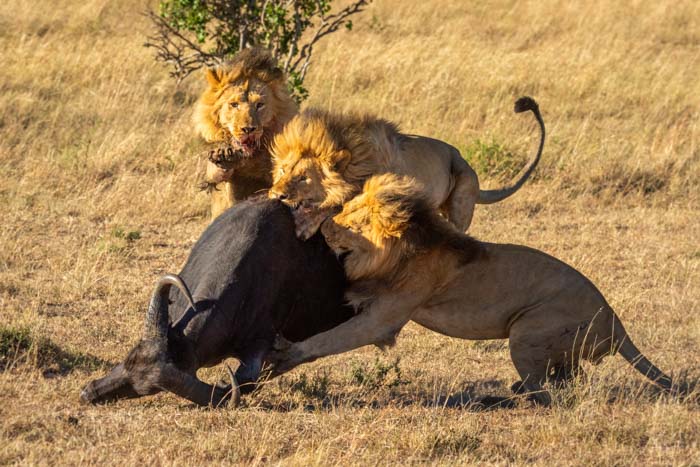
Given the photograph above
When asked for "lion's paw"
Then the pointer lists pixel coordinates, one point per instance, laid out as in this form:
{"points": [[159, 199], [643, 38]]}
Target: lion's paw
{"points": [[225, 156]]}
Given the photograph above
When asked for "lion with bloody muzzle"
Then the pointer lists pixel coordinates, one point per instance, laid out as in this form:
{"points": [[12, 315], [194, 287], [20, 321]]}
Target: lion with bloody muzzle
{"points": [[245, 104]]}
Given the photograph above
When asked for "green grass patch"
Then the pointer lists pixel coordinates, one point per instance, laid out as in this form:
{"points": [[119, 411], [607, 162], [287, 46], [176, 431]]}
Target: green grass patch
{"points": [[492, 159], [376, 375]]}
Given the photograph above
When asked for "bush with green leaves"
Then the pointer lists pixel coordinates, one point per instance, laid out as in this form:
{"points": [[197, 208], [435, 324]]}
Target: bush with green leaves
{"points": [[191, 34]]}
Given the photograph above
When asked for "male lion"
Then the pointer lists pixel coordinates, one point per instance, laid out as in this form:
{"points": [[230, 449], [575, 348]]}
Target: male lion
{"points": [[405, 263], [321, 160], [245, 104]]}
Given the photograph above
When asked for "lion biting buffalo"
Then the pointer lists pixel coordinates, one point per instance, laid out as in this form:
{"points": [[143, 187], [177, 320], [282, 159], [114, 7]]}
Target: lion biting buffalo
{"points": [[405, 262], [262, 285], [245, 104]]}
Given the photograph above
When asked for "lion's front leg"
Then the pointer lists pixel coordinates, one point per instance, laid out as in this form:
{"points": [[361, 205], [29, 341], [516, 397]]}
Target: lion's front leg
{"points": [[378, 323]]}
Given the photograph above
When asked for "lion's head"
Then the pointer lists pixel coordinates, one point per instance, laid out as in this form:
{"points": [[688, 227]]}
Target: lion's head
{"points": [[322, 159], [369, 232], [391, 221], [246, 101]]}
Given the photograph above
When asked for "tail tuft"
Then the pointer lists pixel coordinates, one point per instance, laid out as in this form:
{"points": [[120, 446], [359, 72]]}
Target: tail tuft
{"points": [[526, 103]]}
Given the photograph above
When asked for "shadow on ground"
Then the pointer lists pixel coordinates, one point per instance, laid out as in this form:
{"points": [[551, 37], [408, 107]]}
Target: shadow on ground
{"points": [[21, 347]]}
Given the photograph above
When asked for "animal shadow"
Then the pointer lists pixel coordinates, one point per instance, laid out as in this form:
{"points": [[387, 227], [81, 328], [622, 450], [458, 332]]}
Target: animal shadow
{"points": [[21, 347], [471, 399]]}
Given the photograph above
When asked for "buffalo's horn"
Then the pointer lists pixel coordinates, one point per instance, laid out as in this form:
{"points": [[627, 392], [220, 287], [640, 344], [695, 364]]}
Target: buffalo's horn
{"points": [[157, 316], [235, 389], [191, 388]]}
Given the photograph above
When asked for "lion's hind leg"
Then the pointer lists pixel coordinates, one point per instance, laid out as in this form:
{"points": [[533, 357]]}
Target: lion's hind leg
{"points": [[544, 351], [459, 206], [532, 368]]}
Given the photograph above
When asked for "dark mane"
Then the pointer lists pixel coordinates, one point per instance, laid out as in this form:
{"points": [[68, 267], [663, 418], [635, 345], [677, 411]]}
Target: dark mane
{"points": [[427, 230], [254, 62]]}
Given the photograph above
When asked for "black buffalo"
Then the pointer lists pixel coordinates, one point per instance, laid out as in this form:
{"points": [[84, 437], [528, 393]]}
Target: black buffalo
{"points": [[251, 279]]}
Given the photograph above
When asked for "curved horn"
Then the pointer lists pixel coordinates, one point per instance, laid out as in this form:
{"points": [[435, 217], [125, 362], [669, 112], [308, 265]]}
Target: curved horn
{"points": [[157, 316], [191, 388]]}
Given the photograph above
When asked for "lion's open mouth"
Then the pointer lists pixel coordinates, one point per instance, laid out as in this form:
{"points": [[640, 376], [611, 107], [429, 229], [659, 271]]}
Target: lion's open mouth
{"points": [[247, 144]]}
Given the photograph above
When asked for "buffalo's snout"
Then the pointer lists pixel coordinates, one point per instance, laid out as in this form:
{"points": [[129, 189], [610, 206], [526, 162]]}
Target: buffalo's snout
{"points": [[88, 395], [115, 385]]}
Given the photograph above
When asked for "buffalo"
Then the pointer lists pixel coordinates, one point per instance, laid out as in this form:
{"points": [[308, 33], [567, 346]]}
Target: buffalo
{"points": [[252, 282]]}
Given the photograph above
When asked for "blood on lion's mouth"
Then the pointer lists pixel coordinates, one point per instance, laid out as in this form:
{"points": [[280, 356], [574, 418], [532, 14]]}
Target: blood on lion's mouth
{"points": [[248, 144]]}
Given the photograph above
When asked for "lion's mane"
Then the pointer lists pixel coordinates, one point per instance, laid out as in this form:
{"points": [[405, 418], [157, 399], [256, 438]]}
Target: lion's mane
{"points": [[254, 63]]}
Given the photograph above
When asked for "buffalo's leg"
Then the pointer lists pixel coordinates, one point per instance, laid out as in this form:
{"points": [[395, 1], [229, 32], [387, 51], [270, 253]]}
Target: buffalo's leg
{"points": [[191, 388], [251, 363]]}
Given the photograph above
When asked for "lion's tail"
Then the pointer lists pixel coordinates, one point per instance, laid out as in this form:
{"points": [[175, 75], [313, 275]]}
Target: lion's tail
{"points": [[640, 363], [493, 196]]}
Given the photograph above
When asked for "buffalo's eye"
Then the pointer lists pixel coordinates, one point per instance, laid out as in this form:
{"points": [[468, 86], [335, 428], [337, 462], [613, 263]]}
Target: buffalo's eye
{"points": [[259, 105], [234, 105]]}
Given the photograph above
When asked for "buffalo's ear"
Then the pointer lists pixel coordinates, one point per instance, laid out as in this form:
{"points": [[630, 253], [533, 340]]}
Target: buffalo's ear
{"points": [[214, 77], [340, 160]]}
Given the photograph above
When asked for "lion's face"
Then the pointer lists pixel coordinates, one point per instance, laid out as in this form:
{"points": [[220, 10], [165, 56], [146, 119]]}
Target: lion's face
{"points": [[245, 103], [299, 182], [244, 112], [307, 174]]}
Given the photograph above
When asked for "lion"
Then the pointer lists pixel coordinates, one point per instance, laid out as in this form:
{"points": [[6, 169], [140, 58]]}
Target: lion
{"points": [[321, 160], [245, 104], [405, 262]]}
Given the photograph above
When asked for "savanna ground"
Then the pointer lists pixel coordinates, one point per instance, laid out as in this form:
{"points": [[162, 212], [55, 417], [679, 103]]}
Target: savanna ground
{"points": [[99, 171]]}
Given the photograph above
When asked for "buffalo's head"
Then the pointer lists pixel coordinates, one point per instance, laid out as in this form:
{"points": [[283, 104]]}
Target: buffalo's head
{"points": [[149, 369]]}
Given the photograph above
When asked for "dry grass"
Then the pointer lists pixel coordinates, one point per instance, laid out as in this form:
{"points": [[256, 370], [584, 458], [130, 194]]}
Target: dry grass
{"points": [[99, 170]]}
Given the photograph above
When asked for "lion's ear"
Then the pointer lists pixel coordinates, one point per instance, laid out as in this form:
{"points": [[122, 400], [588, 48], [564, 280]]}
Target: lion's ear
{"points": [[214, 77], [340, 160]]}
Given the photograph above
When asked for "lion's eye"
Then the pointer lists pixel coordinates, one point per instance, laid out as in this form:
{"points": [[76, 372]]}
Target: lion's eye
{"points": [[259, 105], [234, 105]]}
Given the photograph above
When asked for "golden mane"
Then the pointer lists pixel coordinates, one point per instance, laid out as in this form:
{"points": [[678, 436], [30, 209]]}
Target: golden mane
{"points": [[254, 63], [345, 145], [403, 224]]}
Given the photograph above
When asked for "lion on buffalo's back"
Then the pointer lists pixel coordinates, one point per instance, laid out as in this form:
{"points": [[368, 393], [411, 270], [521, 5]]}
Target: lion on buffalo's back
{"points": [[322, 159]]}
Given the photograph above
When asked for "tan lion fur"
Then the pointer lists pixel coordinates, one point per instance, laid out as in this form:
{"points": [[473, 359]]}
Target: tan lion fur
{"points": [[322, 159], [258, 88], [406, 263]]}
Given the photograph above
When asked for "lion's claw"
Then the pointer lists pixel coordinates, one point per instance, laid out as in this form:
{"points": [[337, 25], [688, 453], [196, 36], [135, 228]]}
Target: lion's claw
{"points": [[225, 156]]}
